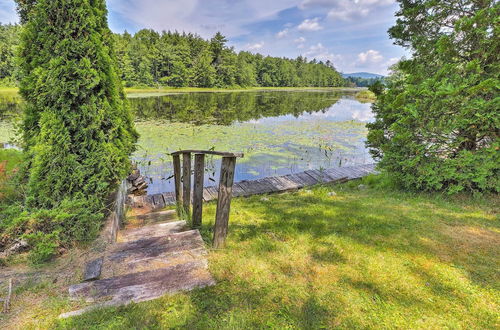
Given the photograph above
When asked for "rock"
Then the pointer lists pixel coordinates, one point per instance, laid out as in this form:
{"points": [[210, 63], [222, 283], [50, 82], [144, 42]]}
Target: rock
{"points": [[132, 189], [332, 194], [134, 175], [140, 180], [362, 187], [19, 246], [264, 199], [93, 270]]}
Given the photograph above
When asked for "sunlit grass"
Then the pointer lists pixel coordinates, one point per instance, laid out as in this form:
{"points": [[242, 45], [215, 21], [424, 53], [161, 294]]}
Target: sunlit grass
{"points": [[374, 258], [166, 90], [366, 96]]}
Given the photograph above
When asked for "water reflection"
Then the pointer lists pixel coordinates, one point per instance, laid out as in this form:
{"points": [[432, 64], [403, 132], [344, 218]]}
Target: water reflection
{"points": [[279, 132], [227, 108]]}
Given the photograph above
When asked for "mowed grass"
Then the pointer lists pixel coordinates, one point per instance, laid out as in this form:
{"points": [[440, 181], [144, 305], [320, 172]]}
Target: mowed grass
{"points": [[361, 259]]}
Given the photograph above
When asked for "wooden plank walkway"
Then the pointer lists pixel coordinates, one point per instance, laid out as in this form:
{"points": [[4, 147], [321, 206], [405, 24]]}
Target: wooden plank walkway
{"points": [[156, 254], [268, 185]]}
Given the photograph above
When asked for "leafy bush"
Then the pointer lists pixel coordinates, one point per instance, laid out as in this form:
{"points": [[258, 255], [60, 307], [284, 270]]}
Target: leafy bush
{"points": [[437, 125]]}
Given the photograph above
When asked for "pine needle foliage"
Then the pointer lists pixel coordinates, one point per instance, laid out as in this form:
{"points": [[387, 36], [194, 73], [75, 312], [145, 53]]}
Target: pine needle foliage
{"points": [[77, 131]]}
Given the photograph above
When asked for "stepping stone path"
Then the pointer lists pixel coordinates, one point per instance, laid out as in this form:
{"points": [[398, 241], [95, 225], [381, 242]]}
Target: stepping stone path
{"points": [[155, 254]]}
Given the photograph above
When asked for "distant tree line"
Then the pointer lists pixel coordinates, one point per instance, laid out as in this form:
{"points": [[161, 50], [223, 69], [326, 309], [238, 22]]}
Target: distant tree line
{"points": [[361, 82], [9, 41], [153, 59]]}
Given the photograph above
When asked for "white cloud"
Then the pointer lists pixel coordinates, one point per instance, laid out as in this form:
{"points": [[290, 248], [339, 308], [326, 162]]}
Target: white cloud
{"points": [[255, 46], [310, 25], [321, 53], [282, 33], [374, 61], [370, 56], [300, 40], [347, 10], [232, 18]]}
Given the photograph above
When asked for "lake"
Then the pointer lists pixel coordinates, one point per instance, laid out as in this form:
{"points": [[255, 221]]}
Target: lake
{"points": [[280, 132]]}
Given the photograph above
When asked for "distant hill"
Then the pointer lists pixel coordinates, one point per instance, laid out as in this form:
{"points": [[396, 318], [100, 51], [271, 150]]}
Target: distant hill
{"points": [[363, 75]]}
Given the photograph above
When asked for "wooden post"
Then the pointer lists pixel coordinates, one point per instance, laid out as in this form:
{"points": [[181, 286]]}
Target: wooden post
{"points": [[177, 179], [199, 175], [224, 201], [186, 178]]}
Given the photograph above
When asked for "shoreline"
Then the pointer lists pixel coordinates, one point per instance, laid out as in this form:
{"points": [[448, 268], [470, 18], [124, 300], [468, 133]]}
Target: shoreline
{"points": [[170, 90]]}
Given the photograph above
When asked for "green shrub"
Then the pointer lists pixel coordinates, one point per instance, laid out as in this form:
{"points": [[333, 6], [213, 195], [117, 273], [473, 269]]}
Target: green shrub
{"points": [[77, 131], [44, 247], [437, 123]]}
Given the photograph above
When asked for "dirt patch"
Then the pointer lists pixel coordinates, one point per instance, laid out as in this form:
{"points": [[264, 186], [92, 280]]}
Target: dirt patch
{"points": [[471, 238]]}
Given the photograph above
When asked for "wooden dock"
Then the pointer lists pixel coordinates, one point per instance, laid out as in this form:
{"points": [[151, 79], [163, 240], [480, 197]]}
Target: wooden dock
{"points": [[267, 185]]}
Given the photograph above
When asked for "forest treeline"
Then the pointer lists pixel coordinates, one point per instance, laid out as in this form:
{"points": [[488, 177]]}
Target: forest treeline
{"points": [[149, 58], [362, 82]]}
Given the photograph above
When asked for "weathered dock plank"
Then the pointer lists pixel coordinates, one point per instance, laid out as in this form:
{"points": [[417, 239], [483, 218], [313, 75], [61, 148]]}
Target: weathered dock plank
{"points": [[277, 183], [146, 285]]}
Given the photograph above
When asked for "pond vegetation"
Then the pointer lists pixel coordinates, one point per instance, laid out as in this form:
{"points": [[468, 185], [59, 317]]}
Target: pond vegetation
{"points": [[280, 132]]}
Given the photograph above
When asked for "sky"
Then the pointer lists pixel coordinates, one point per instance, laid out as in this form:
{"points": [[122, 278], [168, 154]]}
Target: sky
{"points": [[350, 33]]}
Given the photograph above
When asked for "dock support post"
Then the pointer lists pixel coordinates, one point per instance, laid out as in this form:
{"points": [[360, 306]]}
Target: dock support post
{"points": [[199, 174], [224, 201], [186, 183], [177, 179]]}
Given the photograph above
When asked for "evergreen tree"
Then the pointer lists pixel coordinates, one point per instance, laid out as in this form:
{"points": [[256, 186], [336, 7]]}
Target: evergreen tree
{"points": [[203, 73], [152, 59], [78, 131]]}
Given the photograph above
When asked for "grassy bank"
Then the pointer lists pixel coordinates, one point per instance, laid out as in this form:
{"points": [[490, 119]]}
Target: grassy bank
{"points": [[167, 90], [363, 258], [9, 159]]}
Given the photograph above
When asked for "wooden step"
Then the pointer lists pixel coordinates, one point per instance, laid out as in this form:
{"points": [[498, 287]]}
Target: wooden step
{"points": [[157, 230], [153, 253], [151, 218], [147, 285]]}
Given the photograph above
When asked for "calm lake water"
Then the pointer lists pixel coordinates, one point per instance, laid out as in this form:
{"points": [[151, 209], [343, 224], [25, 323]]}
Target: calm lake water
{"points": [[279, 132]]}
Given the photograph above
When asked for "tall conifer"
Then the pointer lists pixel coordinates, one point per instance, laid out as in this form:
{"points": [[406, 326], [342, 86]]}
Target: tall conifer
{"points": [[77, 131]]}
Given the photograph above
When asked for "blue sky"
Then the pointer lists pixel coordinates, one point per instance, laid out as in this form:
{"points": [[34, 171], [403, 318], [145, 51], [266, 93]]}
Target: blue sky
{"points": [[350, 33]]}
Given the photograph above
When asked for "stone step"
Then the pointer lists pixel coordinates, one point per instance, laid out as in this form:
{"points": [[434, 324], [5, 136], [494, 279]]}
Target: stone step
{"points": [[153, 253], [156, 230], [151, 218], [147, 285]]}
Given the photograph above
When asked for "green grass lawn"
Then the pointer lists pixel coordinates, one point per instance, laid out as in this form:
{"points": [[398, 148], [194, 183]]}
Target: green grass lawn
{"points": [[11, 158], [374, 258]]}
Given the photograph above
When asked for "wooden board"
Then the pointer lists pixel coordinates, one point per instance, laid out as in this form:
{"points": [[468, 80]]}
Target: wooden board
{"points": [[147, 285], [289, 182], [224, 201], [309, 181], [237, 190], [213, 192], [158, 202], [169, 198], [210, 152], [247, 188], [157, 230], [319, 176]]}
